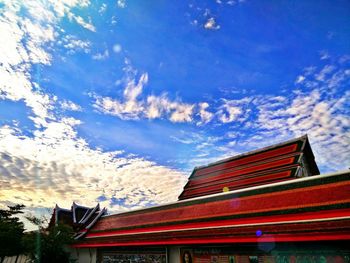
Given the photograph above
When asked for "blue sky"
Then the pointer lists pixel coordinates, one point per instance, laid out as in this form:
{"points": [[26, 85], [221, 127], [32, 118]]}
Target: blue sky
{"points": [[117, 101]]}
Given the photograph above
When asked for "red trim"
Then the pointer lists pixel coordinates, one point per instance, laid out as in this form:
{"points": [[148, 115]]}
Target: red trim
{"points": [[276, 238], [254, 220], [249, 159]]}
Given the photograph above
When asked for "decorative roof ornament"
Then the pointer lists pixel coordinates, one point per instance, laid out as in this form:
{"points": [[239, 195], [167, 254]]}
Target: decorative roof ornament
{"points": [[80, 218]]}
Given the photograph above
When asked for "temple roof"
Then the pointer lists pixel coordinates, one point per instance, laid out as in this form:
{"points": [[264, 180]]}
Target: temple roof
{"points": [[81, 218], [279, 162]]}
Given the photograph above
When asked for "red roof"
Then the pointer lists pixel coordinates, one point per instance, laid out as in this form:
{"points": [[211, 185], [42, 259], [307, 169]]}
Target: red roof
{"points": [[276, 163]]}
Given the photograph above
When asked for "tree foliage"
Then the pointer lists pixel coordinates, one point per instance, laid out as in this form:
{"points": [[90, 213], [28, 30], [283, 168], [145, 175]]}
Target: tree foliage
{"points": [[11, 231], [49, 245], [43, 246]]}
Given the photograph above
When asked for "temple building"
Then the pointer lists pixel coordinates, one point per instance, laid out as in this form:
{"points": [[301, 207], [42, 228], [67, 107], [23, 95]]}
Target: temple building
{"points": [[268, 205]]}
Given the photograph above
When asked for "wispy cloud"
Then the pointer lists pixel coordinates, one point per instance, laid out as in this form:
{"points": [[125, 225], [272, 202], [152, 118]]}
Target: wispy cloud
{"points": [[70, 105], [234, 110], [73, 44], [134, 105], [321, 76], [101, 56], [324, 55], [82, 22], [130, 107], [102, 9], [205, 148]]}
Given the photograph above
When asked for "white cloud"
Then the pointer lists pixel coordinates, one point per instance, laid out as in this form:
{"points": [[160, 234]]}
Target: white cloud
{"points": [[134, 107], [64, 8], [321, 76], [102, 9], [130, 107], [300, 79], [101, 56], [325, 121], [205, 115], [70, 105], [82, 22], [324, 55], [229, 111], [121, 3], [182, 112], [72, 44], [157, 106], [211, 24]]}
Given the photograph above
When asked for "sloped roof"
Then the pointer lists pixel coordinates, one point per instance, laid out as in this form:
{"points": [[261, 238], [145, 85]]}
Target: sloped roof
{"points": [[279, 162]]}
